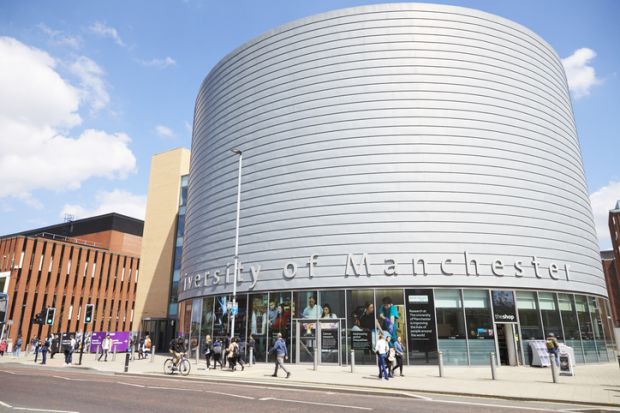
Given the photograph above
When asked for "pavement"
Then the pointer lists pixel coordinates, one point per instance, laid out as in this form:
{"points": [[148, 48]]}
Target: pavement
{"points": [[592, 384]]}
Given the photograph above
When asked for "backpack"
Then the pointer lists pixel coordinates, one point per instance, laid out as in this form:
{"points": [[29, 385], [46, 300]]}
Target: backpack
{"points": [[550, 344], [217, 347]]}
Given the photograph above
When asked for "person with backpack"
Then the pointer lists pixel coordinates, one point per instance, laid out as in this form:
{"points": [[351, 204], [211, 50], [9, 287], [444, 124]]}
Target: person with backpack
{"points": [[553, 348], [217, 354]]}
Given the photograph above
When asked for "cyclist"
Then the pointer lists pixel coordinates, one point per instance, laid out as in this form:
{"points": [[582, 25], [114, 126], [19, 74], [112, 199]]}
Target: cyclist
{"points": [[177, 348]]}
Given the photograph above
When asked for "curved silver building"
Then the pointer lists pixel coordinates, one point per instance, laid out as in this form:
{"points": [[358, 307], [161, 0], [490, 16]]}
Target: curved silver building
{"points": [[401, 147]]}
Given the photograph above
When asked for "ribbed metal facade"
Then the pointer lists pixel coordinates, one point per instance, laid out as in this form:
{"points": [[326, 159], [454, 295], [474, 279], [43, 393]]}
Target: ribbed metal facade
{"points": [[406, 132]]}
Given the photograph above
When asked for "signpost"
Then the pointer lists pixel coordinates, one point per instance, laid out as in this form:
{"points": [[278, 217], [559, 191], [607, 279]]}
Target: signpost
{"points": [[88, 318]]}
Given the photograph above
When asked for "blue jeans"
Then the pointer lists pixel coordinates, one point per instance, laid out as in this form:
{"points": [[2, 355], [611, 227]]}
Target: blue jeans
{"points": [[555, 353], [382, 367]]}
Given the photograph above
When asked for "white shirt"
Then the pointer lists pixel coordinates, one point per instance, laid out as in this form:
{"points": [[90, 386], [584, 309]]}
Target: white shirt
{"points": [[382, 346], [311, 312], [106, 344]]}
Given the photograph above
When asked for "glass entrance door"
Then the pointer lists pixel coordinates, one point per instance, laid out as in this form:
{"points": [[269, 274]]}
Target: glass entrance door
{"points": [[506, 344]]}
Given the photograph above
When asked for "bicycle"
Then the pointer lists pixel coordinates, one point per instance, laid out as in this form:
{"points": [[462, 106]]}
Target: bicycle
{"points": [[183, 366]]}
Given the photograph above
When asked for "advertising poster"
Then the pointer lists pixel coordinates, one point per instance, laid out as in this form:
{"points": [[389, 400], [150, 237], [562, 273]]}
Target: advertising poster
{"points": [[119, 338], [421, 320], [504, 308], [360, 340], [329, 339]]}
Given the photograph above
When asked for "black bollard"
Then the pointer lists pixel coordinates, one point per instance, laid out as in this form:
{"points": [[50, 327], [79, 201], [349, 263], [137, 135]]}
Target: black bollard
{"points": [[126, 361]]}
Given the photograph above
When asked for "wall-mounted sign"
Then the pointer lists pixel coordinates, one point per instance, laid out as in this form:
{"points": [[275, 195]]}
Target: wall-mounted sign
{"points": [[421, 320], [504, 308]]}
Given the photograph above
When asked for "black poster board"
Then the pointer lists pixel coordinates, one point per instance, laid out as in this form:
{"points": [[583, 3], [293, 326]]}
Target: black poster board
{"points": [[504, 308], [360, 340], [329, 339], [421, 320]]}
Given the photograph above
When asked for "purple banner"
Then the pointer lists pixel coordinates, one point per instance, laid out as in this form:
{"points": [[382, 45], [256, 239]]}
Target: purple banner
{"points": [[120, 339]]}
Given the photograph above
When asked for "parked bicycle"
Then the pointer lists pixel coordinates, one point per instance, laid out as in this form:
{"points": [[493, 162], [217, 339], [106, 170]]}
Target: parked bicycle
{"points": [[183, 366]]}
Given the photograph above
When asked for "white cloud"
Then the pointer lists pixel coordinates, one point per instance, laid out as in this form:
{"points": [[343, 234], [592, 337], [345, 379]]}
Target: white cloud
{"points": [[104, 30], [165, 132], [159, 63], [119, 201], [580, 75], [58, 38], [37, 110], [93, 88], [602, 201]]}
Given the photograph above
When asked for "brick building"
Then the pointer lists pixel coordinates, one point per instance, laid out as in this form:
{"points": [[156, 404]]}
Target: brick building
{"points": [[611, 266], [66, 266]]}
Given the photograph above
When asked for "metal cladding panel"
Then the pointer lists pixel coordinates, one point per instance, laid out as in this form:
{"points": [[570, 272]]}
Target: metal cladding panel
{"points": [[423, 136]]}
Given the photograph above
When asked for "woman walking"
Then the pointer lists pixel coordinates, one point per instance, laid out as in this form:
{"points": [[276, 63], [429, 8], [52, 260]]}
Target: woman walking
{"points": [[208, 350], [399, 352]]}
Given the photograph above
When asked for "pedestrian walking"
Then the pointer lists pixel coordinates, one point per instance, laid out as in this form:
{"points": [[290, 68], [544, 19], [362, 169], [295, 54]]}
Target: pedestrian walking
{"points": [[36, 351], [141, 348], [55, 348], [105, 348], [381, 349], [281, 352], [18, 346], [44, 348], [231, 354], [399, 352], [217, 354], [33, 344], [208, 350], [148, 345], [3, 346], [72, 347]]}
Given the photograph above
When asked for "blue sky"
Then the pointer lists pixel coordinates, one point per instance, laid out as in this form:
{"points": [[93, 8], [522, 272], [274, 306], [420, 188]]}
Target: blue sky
{"points": [[89, 91]]}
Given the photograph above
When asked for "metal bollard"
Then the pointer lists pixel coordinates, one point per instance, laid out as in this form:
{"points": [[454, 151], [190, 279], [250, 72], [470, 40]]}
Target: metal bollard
{"points": [[554, 368], [251, 356], [440, 354], [493, 366], [127, 362], [114, 353], [152, 354], [197, 356], [316, 358], [352, 361]]}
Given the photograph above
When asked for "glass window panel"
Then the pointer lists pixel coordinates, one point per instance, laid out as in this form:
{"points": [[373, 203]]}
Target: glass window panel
{"points": [[206, 327], [332, 304], [597, 327], [451, 326], [332, 308], [608, 333], [585, 324], [259, 324], [550, 315], [194, 334], [479, 325], [220, 318], [390, 313], [307, 305], [361, 326], [529, 318], [279, 317], [571, 327]]}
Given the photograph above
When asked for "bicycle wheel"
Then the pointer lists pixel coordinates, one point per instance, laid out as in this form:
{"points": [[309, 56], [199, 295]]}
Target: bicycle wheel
{"points": [[168, 364], [184, 367]]}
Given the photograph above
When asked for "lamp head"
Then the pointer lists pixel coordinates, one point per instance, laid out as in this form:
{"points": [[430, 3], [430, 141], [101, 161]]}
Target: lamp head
{"points": [[236, 150]]}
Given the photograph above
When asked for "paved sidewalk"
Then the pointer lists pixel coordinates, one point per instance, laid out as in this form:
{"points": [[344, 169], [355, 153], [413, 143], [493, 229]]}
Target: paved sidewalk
{"points": [[592, 384]]}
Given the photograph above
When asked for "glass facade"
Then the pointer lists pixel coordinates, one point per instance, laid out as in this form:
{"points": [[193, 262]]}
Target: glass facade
{"points": [[178, 250], [457, 322]]}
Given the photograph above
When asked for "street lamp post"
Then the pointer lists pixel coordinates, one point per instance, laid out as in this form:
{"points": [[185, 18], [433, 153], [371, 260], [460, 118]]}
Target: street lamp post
{"points": [[234, 306]]}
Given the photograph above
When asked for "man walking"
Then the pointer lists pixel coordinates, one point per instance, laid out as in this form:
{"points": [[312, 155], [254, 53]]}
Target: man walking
{"points": [[281, 353], [105, 348], [44, 348], [381, 348], [18, 346]]}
